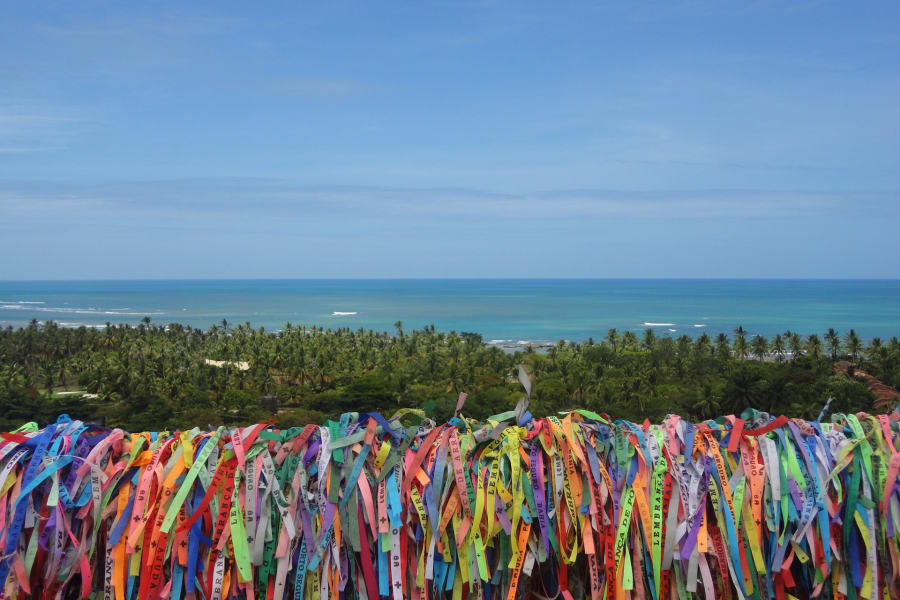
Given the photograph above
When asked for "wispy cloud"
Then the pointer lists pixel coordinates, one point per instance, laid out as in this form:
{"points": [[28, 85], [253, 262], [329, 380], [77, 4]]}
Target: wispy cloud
{"points": [[320, 88], [122, 45], [28, 129], [265, 203], [175, 23], [28, 149]]}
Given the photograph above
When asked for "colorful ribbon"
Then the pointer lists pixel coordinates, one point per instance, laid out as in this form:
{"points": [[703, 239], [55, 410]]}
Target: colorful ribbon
{"points": [[576, 506]]}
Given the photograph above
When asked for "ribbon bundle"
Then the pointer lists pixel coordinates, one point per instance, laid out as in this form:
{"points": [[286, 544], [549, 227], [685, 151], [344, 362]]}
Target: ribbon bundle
{"points": [[576, 506]]}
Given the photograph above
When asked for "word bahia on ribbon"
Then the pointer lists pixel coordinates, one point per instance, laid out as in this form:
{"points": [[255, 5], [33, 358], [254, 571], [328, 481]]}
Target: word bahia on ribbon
{"points": [[569, 506]]}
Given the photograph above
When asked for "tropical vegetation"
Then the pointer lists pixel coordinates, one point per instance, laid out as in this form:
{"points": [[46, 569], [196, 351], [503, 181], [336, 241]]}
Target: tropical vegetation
{"points": [[156, 376]]}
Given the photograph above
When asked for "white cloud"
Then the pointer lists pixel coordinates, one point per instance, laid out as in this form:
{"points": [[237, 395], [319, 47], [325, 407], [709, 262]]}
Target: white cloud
{"points": [[319, 88], [267, 203], [27, 129]]}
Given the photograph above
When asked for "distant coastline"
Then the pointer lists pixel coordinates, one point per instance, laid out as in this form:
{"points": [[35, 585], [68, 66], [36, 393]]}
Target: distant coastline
{"points": [[154, 375], [508, 312]]}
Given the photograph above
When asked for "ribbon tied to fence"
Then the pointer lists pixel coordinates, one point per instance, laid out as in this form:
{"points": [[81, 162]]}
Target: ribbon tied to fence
{"points": [[365, 507]]}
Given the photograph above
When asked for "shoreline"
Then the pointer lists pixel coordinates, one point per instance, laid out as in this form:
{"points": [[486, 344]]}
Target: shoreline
{"points": [[662, 330], [511, 313]]}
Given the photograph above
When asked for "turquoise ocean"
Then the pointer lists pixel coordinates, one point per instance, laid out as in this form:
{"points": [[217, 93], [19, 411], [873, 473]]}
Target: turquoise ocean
{"points": [[505, 311]]}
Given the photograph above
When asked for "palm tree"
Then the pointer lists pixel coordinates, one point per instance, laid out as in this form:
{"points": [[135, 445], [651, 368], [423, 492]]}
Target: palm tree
{"points": [[795, 343], [649, 341], [877, 353], [684, 345], [48, 371], [612, 336], [875, 348], [894, 345], [707, 405], [741, 348], [833, 340], [12, 376], [778, 347], [629, 341], [814, 346], [854, 345], [744, 390], [723, 347], [703, 344], [760, 346]]}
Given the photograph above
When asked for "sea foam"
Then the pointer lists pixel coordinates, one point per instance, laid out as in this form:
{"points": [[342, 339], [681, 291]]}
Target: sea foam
{"points": [[79, 311]]}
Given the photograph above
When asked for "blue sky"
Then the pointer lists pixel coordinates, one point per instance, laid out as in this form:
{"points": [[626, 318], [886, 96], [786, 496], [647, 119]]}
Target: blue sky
{"points": [[671, 139]]}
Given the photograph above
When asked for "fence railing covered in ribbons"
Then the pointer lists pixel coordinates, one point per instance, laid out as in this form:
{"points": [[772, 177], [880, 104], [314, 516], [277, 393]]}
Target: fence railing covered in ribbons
{"points": [[365, 507]]}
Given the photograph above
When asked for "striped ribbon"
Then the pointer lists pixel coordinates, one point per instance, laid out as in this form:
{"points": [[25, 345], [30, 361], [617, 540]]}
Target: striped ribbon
{"points": [[572, 506]]}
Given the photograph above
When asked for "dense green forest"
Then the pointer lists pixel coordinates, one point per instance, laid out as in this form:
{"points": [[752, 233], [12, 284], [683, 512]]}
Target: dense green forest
{"points": [[156, 376]]}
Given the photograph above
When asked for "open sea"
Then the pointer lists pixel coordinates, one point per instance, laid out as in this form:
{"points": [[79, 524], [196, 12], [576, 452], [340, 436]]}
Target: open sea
{"points": [[505, 311]]}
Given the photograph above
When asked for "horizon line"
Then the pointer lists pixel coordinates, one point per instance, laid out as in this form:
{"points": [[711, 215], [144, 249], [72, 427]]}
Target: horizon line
{"points": [[436, 279], [477, 278]]}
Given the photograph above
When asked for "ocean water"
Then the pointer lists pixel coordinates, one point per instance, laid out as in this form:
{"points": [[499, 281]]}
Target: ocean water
{"points": [[505, 311]]}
